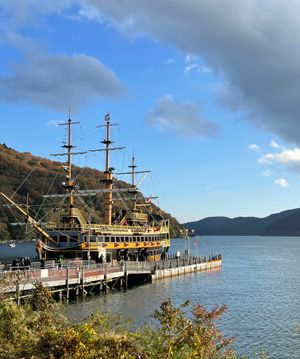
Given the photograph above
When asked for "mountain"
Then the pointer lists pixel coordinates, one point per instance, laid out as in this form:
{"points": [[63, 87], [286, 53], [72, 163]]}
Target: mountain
{"points": [[23, 173], [286, 223]]}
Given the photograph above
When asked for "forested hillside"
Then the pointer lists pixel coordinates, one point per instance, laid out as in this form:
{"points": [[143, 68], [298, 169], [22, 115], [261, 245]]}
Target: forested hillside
{"points": [[22, 175], [286, 223]]}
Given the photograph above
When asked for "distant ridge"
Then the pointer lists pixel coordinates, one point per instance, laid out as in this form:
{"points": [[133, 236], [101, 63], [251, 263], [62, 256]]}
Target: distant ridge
{"points": [[286, 223]]}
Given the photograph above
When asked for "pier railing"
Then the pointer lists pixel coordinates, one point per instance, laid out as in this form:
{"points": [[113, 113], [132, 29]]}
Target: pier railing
{"points": [[183, 261], [170, 262], [80, 276]]}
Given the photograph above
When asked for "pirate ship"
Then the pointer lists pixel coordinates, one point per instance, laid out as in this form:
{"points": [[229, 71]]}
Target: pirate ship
{"points": [[133, 233]]}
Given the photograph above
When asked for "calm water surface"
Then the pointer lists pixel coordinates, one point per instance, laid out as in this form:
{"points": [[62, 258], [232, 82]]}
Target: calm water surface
{"points": [[259, 282]]}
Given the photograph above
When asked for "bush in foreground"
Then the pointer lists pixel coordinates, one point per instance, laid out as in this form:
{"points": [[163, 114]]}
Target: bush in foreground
{"points": [[37, 330]]}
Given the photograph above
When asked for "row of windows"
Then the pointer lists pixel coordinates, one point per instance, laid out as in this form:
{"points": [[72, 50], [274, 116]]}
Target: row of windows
{"points": [[128, 239], [116, 239]]}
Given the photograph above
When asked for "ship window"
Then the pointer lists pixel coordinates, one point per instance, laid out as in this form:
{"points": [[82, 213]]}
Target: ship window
{"points": [[117, 239], [122, 239], [106, 239], [113, 239]]}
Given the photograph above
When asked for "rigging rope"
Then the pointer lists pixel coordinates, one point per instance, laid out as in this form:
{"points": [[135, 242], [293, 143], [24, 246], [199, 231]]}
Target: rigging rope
{"points": [[37, 213], [40, 160]]}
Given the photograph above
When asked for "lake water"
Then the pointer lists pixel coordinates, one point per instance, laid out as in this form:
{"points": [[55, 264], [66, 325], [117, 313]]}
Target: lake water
{"points": [[259, 282]]}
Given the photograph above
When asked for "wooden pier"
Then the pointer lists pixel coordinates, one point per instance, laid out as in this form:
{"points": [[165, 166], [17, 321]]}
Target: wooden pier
{"points": [[76, 279]]}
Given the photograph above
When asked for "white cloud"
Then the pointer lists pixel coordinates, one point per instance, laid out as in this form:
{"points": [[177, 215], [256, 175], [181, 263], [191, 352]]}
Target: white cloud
{"points": [[183, 118], [281, 182], [188, 59], [287, 157], [59, 81], [274, 144], [192, 63], [191, 67], [254, 147]]}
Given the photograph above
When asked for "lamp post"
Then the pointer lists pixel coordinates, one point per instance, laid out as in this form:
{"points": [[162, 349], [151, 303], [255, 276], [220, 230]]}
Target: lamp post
{"points": [[89, 241]]}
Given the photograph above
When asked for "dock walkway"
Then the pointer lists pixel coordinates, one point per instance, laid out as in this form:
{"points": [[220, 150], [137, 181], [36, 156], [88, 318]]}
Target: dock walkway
{"points": [[72, 279]]}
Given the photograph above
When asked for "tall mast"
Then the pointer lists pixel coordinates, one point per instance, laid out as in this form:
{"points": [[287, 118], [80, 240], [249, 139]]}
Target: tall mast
{"points": [[108, 181], [133, 167], [70, 183], [133, 173], [108, 174]]}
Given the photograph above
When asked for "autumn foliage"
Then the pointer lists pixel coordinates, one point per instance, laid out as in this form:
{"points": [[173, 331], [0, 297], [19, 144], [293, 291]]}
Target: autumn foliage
{"points": [[39, 330], [23, 173]]}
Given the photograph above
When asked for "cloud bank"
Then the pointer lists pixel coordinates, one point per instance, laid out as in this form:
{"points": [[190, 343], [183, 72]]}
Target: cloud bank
{"points": [[59, 81], [252, 45], [184, 118], [54, 81]]}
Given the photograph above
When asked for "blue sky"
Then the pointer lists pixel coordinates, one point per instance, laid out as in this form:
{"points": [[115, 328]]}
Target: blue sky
{"points": [[206, 94]]}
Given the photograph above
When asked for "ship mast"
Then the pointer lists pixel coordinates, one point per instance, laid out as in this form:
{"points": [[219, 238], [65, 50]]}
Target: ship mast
{"points": [[69, 185], [108, 173], [108, 181], [133, 167], [133, 173]]}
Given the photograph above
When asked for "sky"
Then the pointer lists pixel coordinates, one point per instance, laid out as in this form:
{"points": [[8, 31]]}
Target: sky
{"points": [[206, 94]]}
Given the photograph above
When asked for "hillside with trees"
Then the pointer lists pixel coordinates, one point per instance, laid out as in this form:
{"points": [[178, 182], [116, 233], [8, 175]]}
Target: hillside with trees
{"points": [[23, 176]]}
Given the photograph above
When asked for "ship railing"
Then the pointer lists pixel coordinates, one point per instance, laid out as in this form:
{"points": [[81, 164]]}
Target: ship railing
{"points": [[117, 228], [108, 229]]}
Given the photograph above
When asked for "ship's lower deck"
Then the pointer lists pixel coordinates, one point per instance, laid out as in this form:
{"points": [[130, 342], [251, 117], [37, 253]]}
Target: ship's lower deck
{"points": [[105, 247]]}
